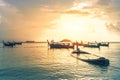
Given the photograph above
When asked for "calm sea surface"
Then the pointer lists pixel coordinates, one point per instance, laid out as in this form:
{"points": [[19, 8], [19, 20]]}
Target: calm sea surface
{"points": [[37, 62]]}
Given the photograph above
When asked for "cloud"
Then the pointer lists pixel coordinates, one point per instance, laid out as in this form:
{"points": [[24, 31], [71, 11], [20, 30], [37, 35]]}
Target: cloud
{"points": [[0, 19], [26, 16], [2, 3], [83, 13], [107, 10], [30, 22], [114, 27], [26, 4], [111, 10], [77, 12], [104, 2]]}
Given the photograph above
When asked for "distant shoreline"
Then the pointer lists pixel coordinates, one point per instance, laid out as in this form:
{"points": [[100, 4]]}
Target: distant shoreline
{"points": [[31, 42], [46, 42], [35, 42]]}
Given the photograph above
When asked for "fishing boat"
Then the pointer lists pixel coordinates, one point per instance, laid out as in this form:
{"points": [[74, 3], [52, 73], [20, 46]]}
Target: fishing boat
{"points": [[104, 43], [92, 45], [18, 43], [9, 44], [101, 61], [78, 51], [62, 44]]}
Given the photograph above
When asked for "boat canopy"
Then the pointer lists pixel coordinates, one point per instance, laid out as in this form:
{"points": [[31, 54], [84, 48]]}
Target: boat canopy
{"points": [[65, 40]]}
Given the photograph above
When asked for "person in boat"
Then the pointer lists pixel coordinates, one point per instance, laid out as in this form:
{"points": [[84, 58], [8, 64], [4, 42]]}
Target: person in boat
{"points": [[78, 50]]}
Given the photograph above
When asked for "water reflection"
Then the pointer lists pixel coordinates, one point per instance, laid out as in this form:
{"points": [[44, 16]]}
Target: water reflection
{"points": [[31, 61]]}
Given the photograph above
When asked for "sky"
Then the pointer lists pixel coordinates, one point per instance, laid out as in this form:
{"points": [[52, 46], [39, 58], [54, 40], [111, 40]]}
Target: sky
{"points": [[39, 20]]}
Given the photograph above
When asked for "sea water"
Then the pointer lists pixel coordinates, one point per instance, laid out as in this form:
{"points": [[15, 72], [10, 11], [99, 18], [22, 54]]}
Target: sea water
{"points": [[36, 61]]}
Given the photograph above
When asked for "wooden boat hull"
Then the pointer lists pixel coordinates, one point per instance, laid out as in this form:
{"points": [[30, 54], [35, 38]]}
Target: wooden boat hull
{"points": [[104, 44], [92, 46], [60, 46], [18, 43], [79, 52], [99, 61], [9, 44], [104, 62]]}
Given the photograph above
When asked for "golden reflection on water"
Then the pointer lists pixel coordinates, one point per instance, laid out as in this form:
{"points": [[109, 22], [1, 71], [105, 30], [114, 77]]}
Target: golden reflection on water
{"points": [[59, 61], [45, 55], [53, 57], [37, 54]]}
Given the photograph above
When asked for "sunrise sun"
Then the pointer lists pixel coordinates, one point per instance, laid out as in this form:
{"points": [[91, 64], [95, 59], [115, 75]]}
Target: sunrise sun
{"points": [[82, 27]]}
